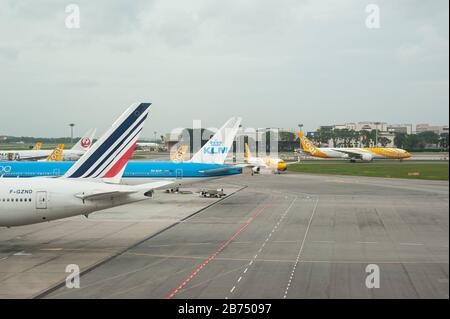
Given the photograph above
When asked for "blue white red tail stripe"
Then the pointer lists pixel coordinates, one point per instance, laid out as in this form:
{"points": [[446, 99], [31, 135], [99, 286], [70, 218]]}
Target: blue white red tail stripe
{"points": [[118, 148], [112, 146]]}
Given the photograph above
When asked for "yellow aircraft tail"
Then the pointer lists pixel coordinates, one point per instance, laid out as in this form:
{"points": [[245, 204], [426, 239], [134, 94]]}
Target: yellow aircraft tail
{"points": [[56, 155], [180, 155], [37, 146], [309, 146], [247, 153]]}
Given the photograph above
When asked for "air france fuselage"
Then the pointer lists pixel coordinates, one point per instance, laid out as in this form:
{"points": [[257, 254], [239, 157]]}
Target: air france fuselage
{"points": [[35, 200]]}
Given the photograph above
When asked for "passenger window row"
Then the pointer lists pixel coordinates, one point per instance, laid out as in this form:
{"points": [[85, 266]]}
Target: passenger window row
{"points": [[16, 200]]}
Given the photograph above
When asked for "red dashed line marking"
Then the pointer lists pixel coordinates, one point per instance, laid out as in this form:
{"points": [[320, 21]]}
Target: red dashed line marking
{"points": [[218, 251]]}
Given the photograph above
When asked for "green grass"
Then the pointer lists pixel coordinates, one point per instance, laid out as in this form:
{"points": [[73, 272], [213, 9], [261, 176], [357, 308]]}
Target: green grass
{"points": [[433, 170]]}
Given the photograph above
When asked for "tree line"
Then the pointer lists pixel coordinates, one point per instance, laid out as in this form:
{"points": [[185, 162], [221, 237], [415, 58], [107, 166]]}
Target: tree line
{"points": [[351, 138]]}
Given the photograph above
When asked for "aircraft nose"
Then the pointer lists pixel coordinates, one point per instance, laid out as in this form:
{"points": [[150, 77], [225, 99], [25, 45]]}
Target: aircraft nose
{"points": [[282, 166], [407, 155]]}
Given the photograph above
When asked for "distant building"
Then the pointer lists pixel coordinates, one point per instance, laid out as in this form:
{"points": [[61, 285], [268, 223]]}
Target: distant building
{"points": [[400, 128], [438, 129], [362, 126]]}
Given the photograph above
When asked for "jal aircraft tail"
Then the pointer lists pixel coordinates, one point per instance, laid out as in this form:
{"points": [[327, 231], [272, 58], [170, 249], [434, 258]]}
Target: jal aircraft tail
{"points": [[56, 155], [85, 142], [215, 151], [107, 158]]}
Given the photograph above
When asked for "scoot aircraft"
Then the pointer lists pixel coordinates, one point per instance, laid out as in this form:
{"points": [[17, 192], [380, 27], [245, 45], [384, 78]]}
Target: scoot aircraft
{"points": [[180, 155], [37, 146], [207, 163], [275, 165], [56, 155], [91, 184], [365, 154], [34, 155]]}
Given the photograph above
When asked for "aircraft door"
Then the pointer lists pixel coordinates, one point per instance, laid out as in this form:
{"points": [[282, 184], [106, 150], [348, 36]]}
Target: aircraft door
{"points": [[179, 173], [41, 200]]}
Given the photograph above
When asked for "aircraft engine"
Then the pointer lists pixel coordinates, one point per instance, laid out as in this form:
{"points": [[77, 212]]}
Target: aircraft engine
{"points": [[367, 157]]}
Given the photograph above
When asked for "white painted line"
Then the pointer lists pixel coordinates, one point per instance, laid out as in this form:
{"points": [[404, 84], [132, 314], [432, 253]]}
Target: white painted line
{"points": [[301, 248], [22, 253], [264, 243]]}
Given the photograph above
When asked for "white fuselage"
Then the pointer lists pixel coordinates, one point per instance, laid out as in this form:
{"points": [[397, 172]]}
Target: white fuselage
{"points": [[273, 164], [68, 155], [365, 153], [33, 200]]}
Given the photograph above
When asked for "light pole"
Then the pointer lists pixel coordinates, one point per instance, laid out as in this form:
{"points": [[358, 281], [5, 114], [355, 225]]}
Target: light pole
{"points": [[154, 133], [376, 133], [72, 125]]}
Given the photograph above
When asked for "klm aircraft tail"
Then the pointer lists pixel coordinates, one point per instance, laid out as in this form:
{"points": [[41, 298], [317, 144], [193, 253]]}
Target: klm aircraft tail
{"points": [[85, 142], [107, 158], [215, 151]]}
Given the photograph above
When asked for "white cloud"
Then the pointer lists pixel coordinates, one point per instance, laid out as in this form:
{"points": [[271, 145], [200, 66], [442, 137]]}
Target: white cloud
{"points": [[276, 63]]}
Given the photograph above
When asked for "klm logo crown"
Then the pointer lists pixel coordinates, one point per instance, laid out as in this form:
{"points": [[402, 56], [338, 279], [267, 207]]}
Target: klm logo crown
{"points": [[216, 143]]}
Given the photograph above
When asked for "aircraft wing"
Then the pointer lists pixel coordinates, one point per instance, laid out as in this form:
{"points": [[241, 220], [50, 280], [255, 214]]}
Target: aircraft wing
{"points": [[32, 158], [103, 195], [155, 185], [351, 154], [99, 195], [220, 170]]}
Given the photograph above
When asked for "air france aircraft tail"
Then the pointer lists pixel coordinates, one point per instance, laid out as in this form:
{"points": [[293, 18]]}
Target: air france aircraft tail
{"points": [[215, 151], [107, 158], [85, 142]]}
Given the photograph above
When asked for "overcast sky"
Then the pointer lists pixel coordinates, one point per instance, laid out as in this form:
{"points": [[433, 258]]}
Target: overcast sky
{"points": [[275, 63]]}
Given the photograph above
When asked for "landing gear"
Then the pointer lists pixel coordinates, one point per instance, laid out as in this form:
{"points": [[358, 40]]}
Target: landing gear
{"points": [[352, 160]]}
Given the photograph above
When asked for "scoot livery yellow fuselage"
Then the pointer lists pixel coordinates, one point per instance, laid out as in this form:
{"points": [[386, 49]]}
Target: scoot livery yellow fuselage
{"points": [[365, 154]]}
